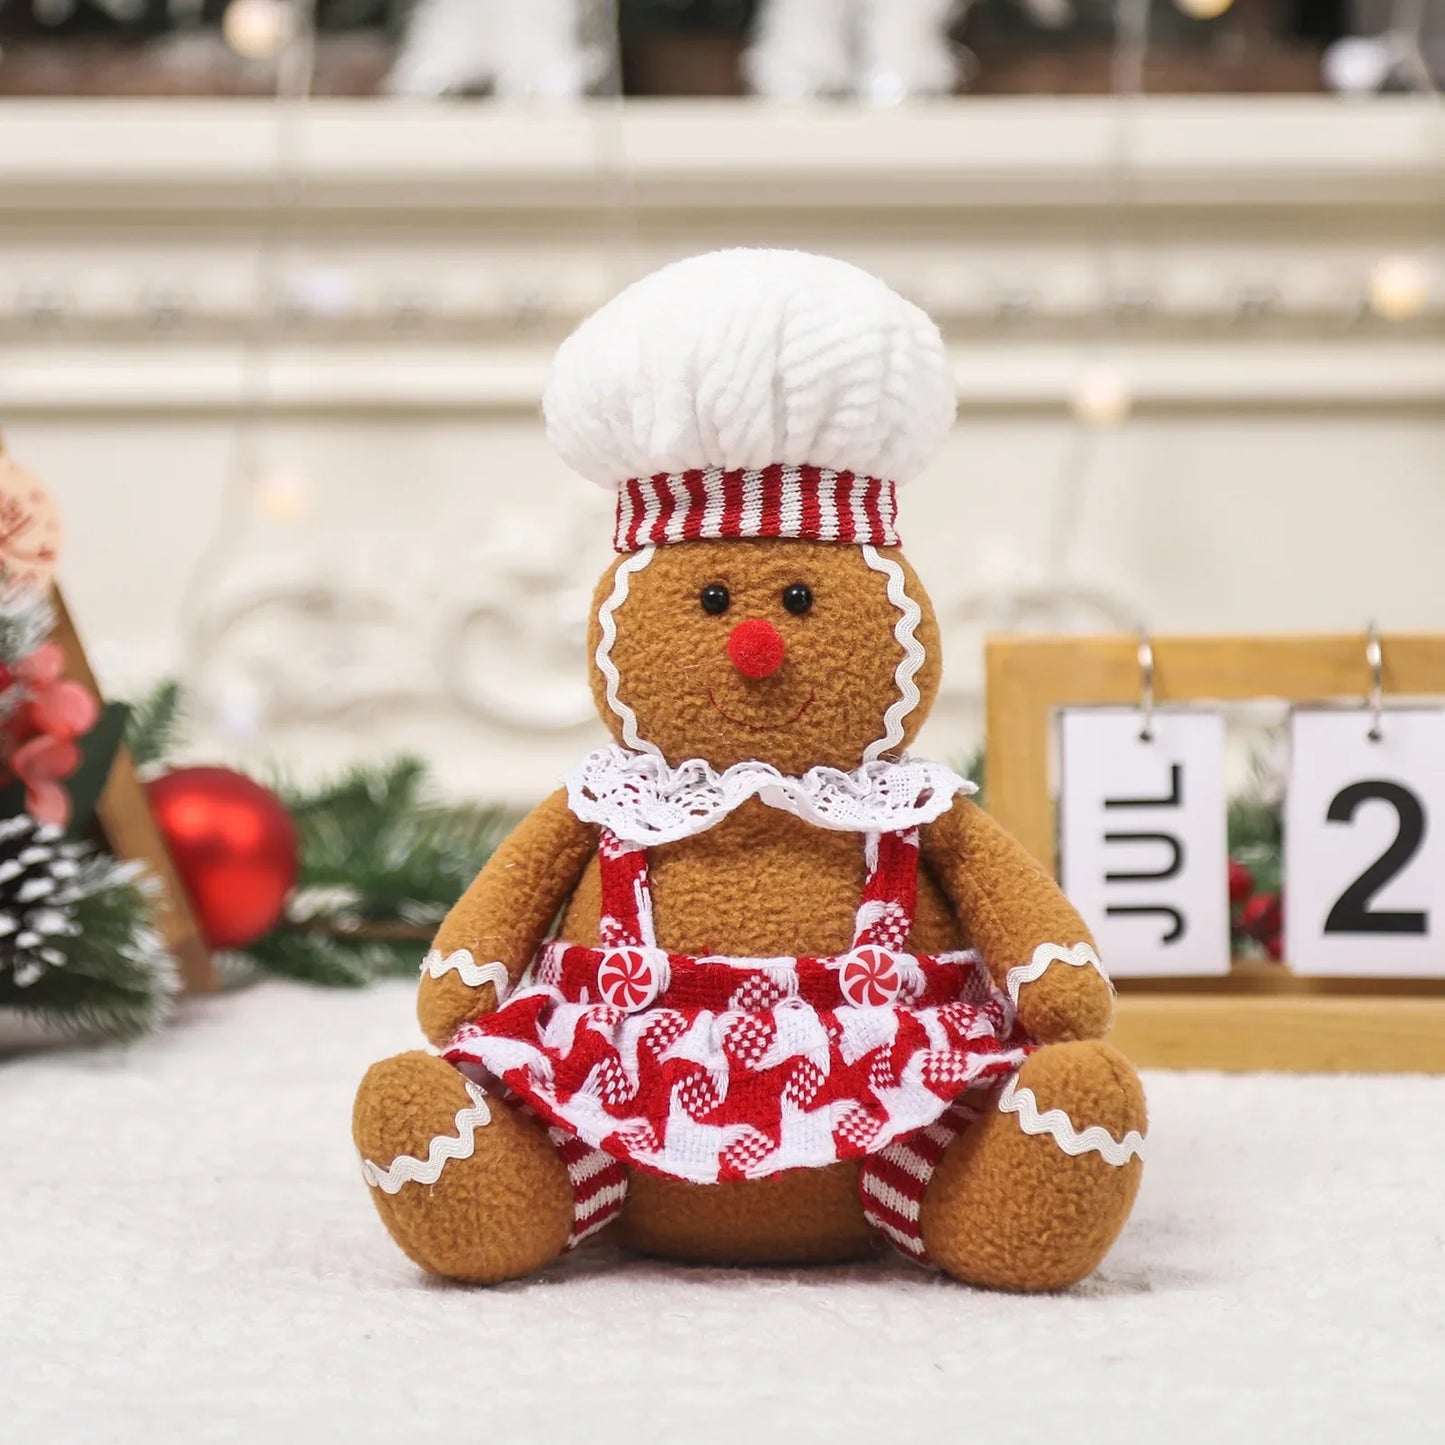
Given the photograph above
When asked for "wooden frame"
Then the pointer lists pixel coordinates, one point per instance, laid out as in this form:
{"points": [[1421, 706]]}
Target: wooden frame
{"points": [[130, 831], [1259, 1016]]}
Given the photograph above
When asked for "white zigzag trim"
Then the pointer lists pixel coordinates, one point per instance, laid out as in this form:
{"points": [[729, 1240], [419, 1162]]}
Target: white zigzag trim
{"points": [[1057, 1124], [474, 974], [607, 625], [1080, 956], [407, 1169], [905, 631]]}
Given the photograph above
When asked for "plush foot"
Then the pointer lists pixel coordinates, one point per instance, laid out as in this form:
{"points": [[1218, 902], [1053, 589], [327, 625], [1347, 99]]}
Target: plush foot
{"points": [[469, 1188], [1009, 1206]]}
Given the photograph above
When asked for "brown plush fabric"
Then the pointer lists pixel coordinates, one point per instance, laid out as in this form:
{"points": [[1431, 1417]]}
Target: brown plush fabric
{"points": [[500, 1214], [1012, 906], [823, 706], [507, 911], [1012, 1210], [806, 1216], [762, 883]]}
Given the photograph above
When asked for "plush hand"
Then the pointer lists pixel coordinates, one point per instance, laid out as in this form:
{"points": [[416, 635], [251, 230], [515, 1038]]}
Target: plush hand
{"points": [[503, 916], [1034, 942], [1067, 1001], [444, 1004]]}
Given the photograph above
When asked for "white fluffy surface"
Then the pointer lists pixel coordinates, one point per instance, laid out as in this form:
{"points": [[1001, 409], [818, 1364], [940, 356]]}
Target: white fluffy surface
{"points": [[743, 358], [187, 1253]]}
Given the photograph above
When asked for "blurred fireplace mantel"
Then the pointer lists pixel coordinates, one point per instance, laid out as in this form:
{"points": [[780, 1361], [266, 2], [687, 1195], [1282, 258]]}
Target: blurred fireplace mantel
{"points": [[384, 283], [473, 235]]}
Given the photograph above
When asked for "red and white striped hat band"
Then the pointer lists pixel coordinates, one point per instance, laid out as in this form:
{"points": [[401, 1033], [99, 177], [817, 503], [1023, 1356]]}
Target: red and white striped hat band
{"points": [[812, 504]]}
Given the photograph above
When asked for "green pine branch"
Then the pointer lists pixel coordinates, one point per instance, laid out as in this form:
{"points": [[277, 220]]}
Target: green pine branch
{"points": [[156, 724], [381, 862]]}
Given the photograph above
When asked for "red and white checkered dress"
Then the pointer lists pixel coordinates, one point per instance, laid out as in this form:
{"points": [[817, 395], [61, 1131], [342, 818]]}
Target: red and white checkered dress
{"points": [[711, 1069]]}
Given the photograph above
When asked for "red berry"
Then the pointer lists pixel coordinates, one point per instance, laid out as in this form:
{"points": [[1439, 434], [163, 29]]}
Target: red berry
{"points": [[1241, 882], [1261, 916]]}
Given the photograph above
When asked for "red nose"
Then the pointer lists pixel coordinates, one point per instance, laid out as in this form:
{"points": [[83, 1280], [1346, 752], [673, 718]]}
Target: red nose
{"points": [[756, 648]]}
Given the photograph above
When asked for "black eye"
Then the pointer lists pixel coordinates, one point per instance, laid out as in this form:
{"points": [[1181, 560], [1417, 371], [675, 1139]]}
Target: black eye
{"points": [[714, 598], [798, 598]]}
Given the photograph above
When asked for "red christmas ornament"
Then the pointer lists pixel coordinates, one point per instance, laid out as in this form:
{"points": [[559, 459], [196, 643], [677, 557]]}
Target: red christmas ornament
{"points": [[233, 844], [1241, 883]]}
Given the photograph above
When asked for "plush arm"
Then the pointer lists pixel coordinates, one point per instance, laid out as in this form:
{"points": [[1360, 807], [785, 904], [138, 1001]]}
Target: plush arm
{"points": [[1021, 924], [504, 915]]}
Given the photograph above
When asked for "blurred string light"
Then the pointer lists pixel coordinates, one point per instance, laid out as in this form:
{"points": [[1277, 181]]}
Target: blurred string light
{"points": [[1203, 9], [1050, 592], [252, 488], [282, 496], [1101, 398], [1399, 287], [258, 29], [258, 487], [325, 292]]}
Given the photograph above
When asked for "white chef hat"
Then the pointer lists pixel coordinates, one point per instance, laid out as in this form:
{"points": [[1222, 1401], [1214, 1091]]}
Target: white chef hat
{"points": [[752, 393]]}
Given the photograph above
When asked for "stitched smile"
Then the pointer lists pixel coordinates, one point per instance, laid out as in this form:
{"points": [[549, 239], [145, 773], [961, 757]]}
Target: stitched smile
{"points": [[760, 727]]}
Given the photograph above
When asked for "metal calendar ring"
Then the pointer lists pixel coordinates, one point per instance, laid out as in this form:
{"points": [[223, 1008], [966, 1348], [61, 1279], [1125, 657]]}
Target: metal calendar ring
{"points": [[1146, 686], [1375, 658]]}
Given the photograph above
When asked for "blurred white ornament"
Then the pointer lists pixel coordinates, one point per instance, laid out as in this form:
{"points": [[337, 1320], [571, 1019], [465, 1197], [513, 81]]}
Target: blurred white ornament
{"points": [[1203, 9], [905, 50], [884, 88], [1101, 398], [1358, 64], [1399, 287], [539, 49], [801, 49], [1050, 14], [282, 496], [258, 29], [883, 51]]}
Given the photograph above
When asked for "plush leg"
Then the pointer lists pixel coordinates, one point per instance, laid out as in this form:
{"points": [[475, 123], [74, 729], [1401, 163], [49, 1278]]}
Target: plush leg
{"points": [[1030, 1199], [468, 1187]]}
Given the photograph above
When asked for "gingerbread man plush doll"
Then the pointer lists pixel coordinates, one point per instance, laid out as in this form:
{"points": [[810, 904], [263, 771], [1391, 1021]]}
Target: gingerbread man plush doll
{"points": [[805, 997]]}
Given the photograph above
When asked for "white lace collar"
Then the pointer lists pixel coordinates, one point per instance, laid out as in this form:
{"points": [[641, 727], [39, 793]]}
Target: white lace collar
{"points": [[642, 800]]}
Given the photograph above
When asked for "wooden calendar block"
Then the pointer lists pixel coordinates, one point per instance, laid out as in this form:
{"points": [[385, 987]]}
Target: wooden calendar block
{"points": [[1258, 1015]]}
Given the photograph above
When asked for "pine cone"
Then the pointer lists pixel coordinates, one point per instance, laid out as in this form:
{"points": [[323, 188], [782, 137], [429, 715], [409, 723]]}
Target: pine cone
{"points": [[37, 897]]}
